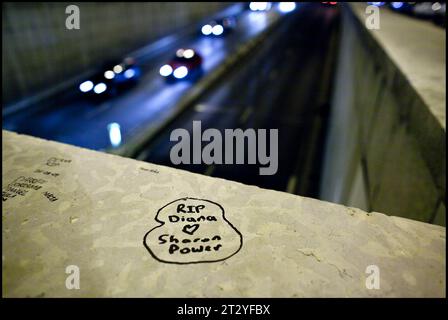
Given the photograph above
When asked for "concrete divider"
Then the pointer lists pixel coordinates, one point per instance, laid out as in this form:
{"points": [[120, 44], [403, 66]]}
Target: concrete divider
{"points": [[386, 148], [117, 227]]}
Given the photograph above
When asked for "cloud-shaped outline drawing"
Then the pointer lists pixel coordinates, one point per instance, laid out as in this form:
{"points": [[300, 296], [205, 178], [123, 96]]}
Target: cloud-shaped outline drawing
{"points": [[163, 223]]}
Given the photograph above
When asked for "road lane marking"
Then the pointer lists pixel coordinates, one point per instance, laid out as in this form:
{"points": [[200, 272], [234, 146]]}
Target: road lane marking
{"points": [[200, 107]]}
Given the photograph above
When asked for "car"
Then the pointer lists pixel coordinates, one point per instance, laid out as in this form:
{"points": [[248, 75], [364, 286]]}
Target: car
{"points": [[434, 11], [111, 78], [219, 27], [424, 10], [185, 65]]}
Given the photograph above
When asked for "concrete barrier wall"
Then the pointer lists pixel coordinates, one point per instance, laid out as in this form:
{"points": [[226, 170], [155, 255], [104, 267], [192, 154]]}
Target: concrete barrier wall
{"points": [[38, 50], [118, 221], [386, 147]]}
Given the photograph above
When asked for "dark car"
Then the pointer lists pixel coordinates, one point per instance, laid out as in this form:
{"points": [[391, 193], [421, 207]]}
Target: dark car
{"points": [[219, 27], [111, 79], [186, 64], [434, 11]]}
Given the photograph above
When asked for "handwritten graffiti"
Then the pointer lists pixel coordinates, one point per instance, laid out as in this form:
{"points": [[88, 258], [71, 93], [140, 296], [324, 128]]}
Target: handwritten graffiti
{"points": [[192, 231]]}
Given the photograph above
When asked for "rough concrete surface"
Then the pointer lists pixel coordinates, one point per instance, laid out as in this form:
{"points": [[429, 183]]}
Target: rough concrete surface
{"points": [[117, 219], [418, 48]]}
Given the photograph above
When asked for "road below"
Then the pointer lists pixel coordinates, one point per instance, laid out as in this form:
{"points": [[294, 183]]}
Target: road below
{"points": [[72, 119], [286, 88]]}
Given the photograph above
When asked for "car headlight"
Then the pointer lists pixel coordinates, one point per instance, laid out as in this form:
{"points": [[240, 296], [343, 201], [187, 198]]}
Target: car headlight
{"points": [[263, 6], [287, 6], [206, 30], [188, 54], [436, 6], [165, 70], [109, 74], [100, 88], [259, 6], [86, 86], [218, 30], [180, 72], [118, 68]]}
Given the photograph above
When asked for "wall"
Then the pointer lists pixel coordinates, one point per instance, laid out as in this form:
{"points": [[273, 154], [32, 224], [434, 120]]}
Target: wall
{"points": [[38, 50], [386, 147]]}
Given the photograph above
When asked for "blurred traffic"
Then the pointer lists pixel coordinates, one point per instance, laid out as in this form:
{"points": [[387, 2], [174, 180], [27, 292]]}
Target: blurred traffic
{"points": [[142, 89]]}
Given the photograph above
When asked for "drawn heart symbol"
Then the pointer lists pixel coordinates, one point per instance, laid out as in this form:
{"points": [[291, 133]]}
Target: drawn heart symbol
{"points": [[190, 228]]}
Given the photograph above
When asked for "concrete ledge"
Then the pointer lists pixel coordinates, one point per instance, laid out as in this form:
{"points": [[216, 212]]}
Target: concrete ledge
{"points": [[418, 50], [64, 205], [411, 54]]}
